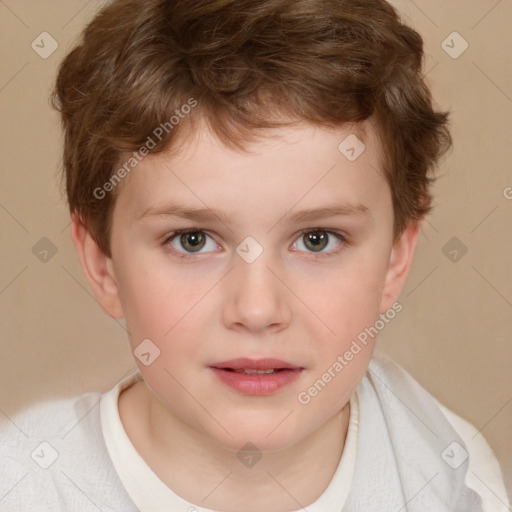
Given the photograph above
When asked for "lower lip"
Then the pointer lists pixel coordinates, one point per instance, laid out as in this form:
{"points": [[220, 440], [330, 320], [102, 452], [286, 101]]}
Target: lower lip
{"points": [[262, 384]]}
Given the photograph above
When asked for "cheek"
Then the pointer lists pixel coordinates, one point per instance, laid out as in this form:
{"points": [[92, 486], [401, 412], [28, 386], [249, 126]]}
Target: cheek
{"points": [[161, 312], [348, 304], [153, 299], [347, 299]]}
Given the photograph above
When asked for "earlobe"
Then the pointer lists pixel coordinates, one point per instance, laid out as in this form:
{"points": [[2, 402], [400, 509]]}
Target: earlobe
{"points": [[399, 265], [97, 267]]}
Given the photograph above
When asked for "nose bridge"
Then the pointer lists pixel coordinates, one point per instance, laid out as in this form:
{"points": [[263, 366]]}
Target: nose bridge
{"points": [[256, 299]]}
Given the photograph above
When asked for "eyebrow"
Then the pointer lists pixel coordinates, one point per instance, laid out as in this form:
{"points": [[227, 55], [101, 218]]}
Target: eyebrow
{"points": [[211, 214]]}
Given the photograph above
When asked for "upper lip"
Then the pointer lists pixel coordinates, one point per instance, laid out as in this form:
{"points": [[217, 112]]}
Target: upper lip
{"points": [[244, 363]]}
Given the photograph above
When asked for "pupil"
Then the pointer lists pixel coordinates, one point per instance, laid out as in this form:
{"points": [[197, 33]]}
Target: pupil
{"points": [[193, 241]]}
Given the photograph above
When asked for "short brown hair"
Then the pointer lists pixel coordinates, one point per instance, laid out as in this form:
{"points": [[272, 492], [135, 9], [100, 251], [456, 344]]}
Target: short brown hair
{"points": [[248, 65]]}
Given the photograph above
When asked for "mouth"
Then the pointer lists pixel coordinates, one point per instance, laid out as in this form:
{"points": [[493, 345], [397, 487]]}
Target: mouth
{"points": [[256, 376]]}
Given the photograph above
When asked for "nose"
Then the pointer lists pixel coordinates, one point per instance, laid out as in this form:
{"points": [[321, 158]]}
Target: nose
{"points": [[256, 300]]}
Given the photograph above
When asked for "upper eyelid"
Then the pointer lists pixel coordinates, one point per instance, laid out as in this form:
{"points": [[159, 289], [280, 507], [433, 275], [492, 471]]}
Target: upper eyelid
{"points": [[177, 232]]}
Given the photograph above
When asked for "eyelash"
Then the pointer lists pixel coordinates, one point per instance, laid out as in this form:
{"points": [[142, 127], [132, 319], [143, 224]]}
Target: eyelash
{"points": [[341, 238]]}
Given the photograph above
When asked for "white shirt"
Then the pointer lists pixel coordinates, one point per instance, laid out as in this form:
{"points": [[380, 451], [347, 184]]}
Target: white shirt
{"points": [[150, 494], [74, 455]]}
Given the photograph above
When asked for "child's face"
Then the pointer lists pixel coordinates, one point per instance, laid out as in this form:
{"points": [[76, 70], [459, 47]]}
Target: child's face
{"points": [[203, 303]]}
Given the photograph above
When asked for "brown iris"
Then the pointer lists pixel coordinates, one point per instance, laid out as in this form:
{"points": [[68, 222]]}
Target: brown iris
{"points": [[193, 241], [316, 240]]}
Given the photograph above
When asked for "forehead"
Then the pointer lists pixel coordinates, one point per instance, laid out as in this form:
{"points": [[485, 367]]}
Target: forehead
{"points": [[198, 139], [303, 163]]}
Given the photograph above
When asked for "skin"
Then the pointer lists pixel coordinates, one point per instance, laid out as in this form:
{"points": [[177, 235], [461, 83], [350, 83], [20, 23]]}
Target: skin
{"points": [[291, 303]]}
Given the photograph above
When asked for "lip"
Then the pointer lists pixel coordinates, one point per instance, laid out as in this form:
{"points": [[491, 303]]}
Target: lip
{"points": [[256, 385], [255, 364]]}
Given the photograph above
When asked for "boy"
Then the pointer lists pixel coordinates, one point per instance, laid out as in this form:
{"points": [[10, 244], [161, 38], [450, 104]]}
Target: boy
{"points": [[246, 182]]}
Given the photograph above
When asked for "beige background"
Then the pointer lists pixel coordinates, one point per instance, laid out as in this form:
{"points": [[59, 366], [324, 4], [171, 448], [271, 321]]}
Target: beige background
{"points": [[454, 334]]}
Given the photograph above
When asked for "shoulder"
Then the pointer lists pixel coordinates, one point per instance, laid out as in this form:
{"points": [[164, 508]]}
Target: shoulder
{"points": [[54, 420], [52, 416], [53, 457], [483, 470]]}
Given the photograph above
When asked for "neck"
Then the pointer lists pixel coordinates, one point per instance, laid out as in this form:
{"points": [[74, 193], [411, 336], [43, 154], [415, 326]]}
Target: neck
{"points": [[279, 481]]}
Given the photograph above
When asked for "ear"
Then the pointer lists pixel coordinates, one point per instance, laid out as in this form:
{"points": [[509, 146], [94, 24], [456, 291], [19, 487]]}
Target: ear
{"points": [[400, 263], [97, 267]]}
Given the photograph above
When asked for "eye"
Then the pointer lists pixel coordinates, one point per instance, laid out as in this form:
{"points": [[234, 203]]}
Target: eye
{"points": [[188, 242], [316, 240], [191, 240]]}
